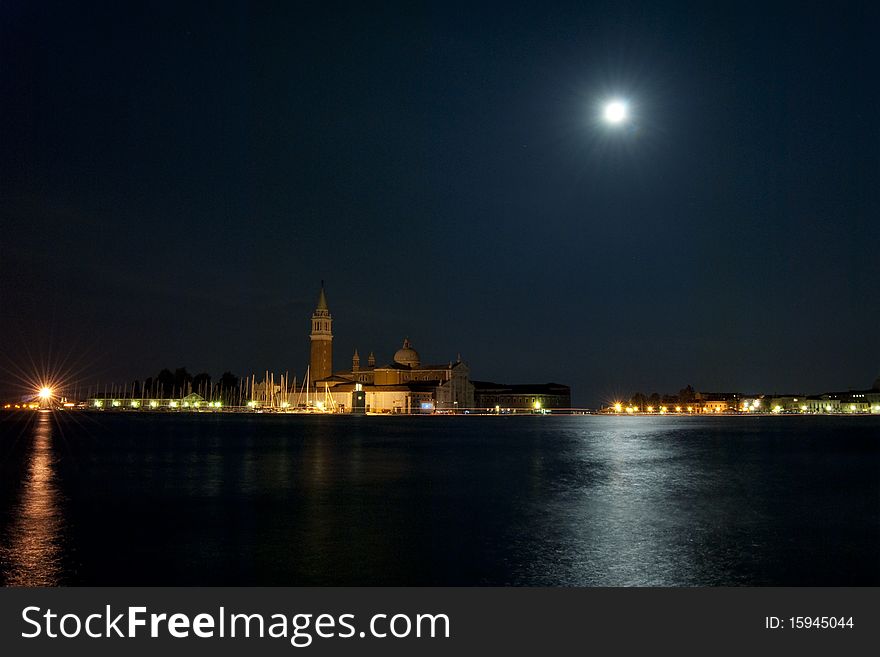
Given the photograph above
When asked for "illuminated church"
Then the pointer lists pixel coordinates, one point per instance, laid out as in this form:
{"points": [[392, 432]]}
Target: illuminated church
{"points": [[404, 385]]}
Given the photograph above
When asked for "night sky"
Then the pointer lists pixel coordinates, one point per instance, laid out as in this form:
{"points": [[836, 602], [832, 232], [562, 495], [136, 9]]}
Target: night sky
{"points": [[177, 179]]}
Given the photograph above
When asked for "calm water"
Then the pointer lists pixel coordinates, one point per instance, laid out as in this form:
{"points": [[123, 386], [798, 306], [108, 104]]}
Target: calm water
{"points": [[295, 500]]}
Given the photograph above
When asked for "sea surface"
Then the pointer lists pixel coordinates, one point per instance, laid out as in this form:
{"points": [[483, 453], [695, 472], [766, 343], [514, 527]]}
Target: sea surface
{"points": [[218, 499]]}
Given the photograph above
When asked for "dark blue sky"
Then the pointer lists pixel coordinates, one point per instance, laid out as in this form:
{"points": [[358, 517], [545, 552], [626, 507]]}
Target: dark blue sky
{"points": [[176, 180]]}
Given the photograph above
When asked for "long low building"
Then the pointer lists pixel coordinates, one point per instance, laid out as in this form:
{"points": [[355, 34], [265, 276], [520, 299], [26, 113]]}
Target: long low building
{"points": [[192, 401], [492, 397]]}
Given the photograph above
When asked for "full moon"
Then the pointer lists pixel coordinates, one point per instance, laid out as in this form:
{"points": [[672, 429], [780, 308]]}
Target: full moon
{"points": [[615, 112]]}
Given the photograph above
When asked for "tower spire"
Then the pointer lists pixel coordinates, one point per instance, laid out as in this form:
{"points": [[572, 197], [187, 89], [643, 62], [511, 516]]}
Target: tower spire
{"points": [[321, 362], [322, 299]]}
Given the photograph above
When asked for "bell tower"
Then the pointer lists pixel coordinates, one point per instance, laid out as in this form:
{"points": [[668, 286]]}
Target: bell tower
{"points": [[321, 361]]}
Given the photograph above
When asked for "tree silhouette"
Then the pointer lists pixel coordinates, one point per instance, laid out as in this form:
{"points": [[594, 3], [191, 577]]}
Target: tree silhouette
{"points": [[201, 383], [165, 382], [228, 384], [182, 381], [638, 400], [687, 395]]}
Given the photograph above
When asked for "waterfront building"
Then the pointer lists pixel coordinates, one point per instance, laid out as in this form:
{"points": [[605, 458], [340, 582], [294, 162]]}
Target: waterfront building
{"points": [[719, 402], [858, 401], [821, 404], [715, 406], [852, 401], [500, 397], [855, 406], [403, 385], [790, 403]]}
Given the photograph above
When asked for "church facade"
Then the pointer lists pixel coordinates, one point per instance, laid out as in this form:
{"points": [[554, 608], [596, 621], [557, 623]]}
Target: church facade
{"points": [[402, 385]]}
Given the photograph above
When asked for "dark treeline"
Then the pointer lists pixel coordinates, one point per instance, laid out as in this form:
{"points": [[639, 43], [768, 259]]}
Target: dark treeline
{"points": [[685, 396], [179, 383]]}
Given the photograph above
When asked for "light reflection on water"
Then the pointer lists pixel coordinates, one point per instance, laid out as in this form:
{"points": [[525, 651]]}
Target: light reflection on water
{"points": [[31, 553]]}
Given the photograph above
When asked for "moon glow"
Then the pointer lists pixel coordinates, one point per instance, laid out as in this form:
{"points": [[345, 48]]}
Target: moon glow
{"points": [[615, 112]]}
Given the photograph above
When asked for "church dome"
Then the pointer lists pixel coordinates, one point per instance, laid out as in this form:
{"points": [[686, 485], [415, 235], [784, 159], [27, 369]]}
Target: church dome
{"points": [[406, 355]]}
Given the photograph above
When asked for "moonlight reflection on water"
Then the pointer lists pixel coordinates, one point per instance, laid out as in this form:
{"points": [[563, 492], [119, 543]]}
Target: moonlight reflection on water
{"points": [[125, 499]]}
